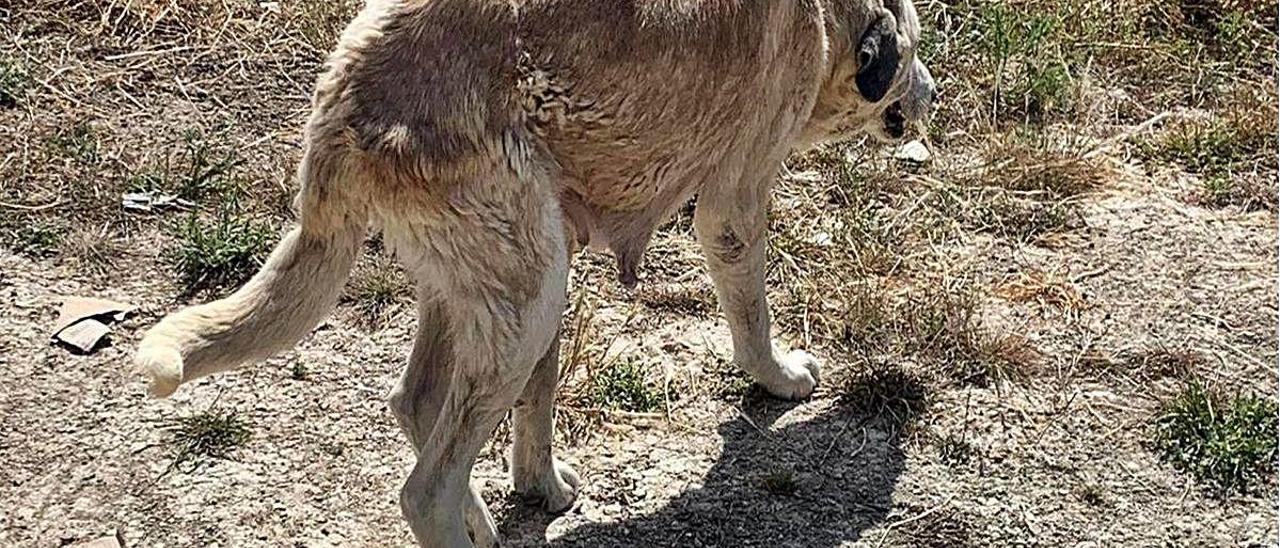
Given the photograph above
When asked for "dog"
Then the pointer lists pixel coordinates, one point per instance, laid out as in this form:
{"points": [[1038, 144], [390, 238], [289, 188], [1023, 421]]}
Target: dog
{"points": [[490, 140]]}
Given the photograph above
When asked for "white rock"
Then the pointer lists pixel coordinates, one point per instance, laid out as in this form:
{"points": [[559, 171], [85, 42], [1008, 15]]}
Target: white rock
{"points": [[914, 151]]}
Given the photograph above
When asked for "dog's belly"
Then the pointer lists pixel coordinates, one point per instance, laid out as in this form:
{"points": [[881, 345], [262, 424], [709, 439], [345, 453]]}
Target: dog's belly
{"points": [[642, 102], [620, 212], [622, 173]]}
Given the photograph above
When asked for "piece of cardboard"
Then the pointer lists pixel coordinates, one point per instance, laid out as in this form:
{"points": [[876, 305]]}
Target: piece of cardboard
{"points": [[82, 321]]}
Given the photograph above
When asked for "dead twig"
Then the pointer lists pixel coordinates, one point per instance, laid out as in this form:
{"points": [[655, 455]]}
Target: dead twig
{"points": [[31, 208]]}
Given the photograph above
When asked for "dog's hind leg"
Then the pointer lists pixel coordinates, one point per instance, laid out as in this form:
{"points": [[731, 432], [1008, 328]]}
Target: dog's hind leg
{"points": [[731, 222], [502, 311], [417, 399], [536, 473]]}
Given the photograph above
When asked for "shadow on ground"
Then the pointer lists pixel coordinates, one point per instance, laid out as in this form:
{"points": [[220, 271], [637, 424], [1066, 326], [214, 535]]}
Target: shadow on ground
{"points": [[843, 465]]}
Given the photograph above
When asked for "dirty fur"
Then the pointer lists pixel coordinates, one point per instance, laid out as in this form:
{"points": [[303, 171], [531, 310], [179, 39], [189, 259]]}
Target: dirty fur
{"points": [[488, 140]]}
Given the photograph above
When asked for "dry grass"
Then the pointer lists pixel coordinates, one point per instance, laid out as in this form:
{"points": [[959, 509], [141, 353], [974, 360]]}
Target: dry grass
{"points": [[96, 250], [913, 282], [887, 393], [1147, 365], [1044, 289], [937, 528], [378, 289], [696, 299]]}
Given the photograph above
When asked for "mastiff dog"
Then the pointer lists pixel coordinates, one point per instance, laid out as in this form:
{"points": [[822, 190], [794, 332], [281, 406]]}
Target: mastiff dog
{"points": [[489, 140]]}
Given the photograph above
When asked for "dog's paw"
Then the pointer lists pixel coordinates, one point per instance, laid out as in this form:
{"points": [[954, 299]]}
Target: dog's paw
{"points": [[556, 486], [482, 531], [793, 376]]}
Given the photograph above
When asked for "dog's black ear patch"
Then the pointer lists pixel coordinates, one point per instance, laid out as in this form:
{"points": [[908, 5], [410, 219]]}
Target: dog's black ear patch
{"points": [[878, 60]]}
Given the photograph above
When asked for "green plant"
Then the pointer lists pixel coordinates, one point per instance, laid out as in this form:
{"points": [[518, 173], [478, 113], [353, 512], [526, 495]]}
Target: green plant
{"points": [[726, 380], [621, 385], [1202, 145], [79, 142], [13, 81], [780, 482], [36, 238], [211, 434], [206, 168], [1247, 193], [1029, 63], [220, 251], [1226, 442], [200, 170]]}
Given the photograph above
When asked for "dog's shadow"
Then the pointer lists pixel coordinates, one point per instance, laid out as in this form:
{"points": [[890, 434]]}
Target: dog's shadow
{"points": [[820, 482]]}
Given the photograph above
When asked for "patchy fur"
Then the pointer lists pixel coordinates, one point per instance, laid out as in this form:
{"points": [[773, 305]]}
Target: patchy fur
{"points": [[487, 138]]}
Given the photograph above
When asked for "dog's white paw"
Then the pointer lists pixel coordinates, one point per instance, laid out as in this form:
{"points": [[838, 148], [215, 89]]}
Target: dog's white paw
{"points": [[792, 376], [556, 486]]}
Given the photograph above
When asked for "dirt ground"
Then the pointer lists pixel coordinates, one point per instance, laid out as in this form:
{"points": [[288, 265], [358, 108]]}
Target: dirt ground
{"points": [[1051, 448]]}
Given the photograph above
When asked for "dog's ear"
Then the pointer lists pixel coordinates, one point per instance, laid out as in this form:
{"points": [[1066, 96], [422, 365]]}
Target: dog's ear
{"points": [[878, 59]]}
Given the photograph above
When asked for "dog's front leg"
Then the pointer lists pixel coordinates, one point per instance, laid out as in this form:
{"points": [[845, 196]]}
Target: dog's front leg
{"points": [[731, 222]]}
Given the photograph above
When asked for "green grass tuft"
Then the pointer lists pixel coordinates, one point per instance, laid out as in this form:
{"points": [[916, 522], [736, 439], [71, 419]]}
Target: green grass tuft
{"points": [[781, 482], [1247, 193], [221, 251], [1029, 62], [202, 169], [1202, 146], [621, 386], [34, 238], [79, 142], [14, 80], [1227, 442], [208, 435]]}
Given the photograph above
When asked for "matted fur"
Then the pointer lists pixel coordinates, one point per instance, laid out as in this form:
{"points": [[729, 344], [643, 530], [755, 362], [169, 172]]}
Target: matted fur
{"points": [[487, 139]]}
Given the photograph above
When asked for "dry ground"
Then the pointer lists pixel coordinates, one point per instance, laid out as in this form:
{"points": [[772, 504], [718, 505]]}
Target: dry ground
{"points": [[1002, 327]]}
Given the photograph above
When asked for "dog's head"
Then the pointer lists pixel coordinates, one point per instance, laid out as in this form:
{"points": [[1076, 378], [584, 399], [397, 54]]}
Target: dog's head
{"points": [[876, 84]]}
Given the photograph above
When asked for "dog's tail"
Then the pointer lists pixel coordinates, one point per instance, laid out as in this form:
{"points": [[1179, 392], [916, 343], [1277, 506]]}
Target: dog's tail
{"points": [[294, 290]]}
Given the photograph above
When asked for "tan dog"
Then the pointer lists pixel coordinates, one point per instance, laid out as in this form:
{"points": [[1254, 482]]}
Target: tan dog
{"points": [[487, 139]]}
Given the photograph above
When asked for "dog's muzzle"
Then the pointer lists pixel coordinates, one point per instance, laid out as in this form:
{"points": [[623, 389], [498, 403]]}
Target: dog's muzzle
{"points": [[918, 101], [915, 104]]}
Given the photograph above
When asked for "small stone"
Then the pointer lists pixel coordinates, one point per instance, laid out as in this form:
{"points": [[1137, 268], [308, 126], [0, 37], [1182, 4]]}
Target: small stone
{"points": [[914, 151]]}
